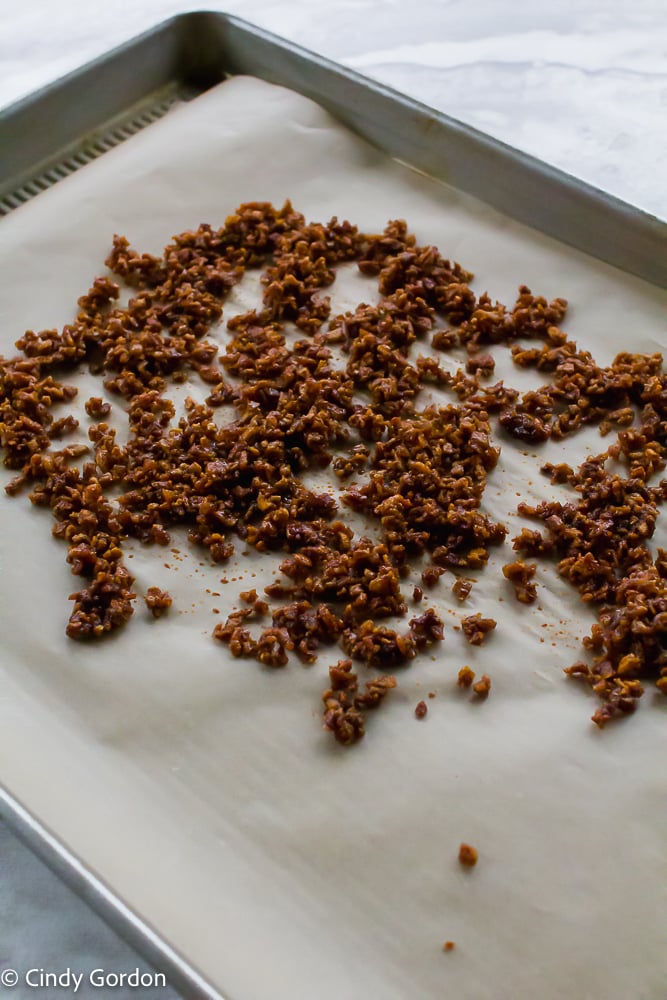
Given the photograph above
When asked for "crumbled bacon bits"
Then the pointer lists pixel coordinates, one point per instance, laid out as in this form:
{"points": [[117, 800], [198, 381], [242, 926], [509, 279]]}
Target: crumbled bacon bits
{"points": [[345, 706], [465, 677], [461, 588], [421, 710], [468, 855], [520, 575], [475, 628], [157, 601], [482, 686], [293, 409], [96, 407]]}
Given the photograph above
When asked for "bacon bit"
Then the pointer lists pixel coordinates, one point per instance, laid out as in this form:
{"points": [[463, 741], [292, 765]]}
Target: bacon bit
{"points": [[157, 601], [520, 575], [468, 855], [461, 588], [475, 628], [483, 686], [466, 677], [431, 575]]}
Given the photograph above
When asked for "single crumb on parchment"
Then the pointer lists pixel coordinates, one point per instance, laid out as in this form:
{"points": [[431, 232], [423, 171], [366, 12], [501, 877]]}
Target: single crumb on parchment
{"points": [[96, 408], [449, 946], [461, 588], [475, 628], [468, 855], [421, 710], [483, 686], [466, 677], [157, 601]]}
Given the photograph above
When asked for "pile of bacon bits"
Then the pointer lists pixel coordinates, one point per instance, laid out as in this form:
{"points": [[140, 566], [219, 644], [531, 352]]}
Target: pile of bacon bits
{"points": [[292, 407]]}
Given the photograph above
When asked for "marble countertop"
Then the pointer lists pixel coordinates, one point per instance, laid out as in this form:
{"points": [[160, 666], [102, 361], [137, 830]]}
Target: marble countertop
{"points": [[582, 85]]}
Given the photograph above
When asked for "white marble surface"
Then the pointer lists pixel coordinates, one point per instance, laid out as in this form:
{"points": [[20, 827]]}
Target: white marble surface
{"points": [[579, 83]]}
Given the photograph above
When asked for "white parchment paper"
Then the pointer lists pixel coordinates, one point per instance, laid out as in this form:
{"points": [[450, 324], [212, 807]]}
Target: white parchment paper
{"points": [[201, 788]]}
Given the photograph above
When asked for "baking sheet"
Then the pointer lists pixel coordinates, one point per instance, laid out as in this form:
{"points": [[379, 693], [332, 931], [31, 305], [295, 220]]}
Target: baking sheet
{"points": [[201, 788]]}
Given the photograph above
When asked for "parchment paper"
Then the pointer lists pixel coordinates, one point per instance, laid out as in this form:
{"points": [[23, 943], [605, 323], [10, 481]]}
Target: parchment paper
{"points": [[201, 788]]}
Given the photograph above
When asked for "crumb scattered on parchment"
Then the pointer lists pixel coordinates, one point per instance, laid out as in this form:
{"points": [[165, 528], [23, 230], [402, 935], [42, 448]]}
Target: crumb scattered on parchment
{"points": [[157, 601], [465, 677], [482, 686], [468, 855]]}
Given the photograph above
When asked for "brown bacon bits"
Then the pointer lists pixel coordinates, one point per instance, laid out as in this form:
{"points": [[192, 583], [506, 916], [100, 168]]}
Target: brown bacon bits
{"points": [[421, 710], [480, 364], [427, 628], [475, 628], [465, 677], [482, 686], [520, 575], [379, 646], [431, 575], [468, 855], [600, 540], [461, 588], [157, 601], [273, 646], [96, 407], [345, 707], [293, 409], [375, 692], [532, 543], [340, 715]]}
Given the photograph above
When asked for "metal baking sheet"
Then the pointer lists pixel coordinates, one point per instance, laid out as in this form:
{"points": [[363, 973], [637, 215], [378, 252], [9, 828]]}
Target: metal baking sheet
{"points": [[141, 82], [191, 52]]}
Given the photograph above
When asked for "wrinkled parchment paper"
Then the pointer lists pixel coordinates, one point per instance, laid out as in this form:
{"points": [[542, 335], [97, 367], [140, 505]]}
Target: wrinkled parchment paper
{"points": [[201, 788]]}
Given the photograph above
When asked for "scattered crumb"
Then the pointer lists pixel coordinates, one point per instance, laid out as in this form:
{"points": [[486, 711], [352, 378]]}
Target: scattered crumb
{"points": [[520, 575], [157, 601], [483, 686], [449, 946], [96, 408], [475, 628], [461, 588], [466, 677], [468, 855], [431, 575], [421, 710]]}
